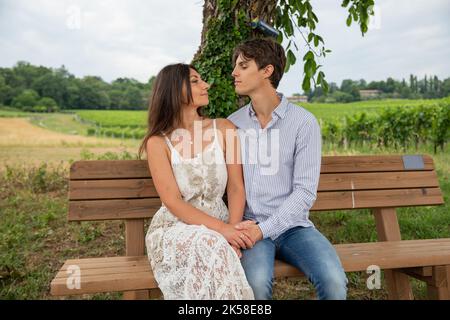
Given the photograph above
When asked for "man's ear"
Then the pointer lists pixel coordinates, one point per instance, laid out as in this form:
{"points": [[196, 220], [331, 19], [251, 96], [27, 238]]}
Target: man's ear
{"points": [[268, 71]]}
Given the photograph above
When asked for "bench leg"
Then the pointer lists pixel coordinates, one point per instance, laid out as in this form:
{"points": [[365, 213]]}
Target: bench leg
{"points": [[156, 294], [135, 247], [439, 286], [136, 295], [388, 229], [398, 285]]}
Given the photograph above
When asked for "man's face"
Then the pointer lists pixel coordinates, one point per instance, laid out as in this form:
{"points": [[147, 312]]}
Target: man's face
{"points": [[247, 77]]}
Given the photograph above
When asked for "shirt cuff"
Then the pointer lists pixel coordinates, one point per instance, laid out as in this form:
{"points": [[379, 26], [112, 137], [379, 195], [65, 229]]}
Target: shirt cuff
{"points": [[266, 229]]}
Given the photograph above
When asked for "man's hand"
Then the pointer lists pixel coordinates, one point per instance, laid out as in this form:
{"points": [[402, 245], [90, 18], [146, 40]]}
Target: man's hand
{"points": [[235, 237], [252, 230]]}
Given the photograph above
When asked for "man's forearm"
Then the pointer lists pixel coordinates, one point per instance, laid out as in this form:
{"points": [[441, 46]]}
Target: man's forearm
{"points": [[293, 210]]}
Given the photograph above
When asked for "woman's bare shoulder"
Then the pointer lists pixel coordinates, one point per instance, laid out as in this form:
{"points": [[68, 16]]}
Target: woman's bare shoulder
{"points": [[224, 124], [156, 143]]}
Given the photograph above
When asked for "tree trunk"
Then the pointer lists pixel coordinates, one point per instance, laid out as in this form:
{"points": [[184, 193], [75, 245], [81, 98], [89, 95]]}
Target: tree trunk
{"points": [[262, 9]]}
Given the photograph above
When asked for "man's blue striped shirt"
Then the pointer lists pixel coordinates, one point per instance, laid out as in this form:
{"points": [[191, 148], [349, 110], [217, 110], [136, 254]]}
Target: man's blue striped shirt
{"points": [[281, 166]]}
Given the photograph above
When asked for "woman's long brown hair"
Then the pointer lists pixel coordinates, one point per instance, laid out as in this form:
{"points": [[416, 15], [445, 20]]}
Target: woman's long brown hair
{"points": [[164, 112]]}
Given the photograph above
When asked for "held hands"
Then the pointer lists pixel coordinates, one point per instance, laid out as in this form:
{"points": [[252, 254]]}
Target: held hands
{"points": [[238, 238], [252, 230]]}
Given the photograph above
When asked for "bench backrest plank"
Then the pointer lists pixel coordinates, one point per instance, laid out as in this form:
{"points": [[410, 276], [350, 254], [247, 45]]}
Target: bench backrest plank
{"points": [[123, 189]]}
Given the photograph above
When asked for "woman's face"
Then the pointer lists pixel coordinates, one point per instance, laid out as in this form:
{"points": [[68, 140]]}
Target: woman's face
{"points": [[199, 89]]}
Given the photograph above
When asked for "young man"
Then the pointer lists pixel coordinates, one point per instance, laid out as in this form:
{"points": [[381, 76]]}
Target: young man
{"points": [[280, 187]]}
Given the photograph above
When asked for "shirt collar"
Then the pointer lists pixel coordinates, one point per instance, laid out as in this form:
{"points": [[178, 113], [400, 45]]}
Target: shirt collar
{"points": [[280, 110]]}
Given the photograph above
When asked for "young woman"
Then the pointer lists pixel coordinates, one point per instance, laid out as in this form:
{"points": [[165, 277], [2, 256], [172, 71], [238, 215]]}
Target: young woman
{"points": [[192, 243]]}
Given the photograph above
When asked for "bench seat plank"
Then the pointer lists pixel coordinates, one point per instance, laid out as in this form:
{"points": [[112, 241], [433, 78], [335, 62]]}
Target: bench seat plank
{"points": [[134, 273]]}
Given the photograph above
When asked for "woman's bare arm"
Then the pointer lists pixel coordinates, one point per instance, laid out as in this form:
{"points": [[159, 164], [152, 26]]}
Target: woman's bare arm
{"points": [[167, 188], [235, 184]]}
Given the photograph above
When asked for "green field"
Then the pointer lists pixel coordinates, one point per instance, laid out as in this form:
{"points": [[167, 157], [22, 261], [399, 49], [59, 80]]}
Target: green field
{"points": [[114, 118], [328, 111], [324, 111], [118, 121]]}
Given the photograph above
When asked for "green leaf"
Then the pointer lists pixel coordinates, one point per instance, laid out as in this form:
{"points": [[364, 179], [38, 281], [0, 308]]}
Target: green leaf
{"points": [[349, 20], [289, 28], [309, 68], [308, 56], [325, 86], [287, 67], [280, 37], [291, 57], [306, 85], [310, 36], [320, 77], [289, 45]]}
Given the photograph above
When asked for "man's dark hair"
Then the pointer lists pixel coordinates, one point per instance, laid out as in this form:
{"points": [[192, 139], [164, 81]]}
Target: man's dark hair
{"points": [[264, 51]]}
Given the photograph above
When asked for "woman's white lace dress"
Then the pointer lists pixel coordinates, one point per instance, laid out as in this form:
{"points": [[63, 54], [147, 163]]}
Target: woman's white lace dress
{"points": [[192, 261]]}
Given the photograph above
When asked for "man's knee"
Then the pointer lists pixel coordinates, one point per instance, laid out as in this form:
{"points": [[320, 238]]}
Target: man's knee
{"points": [[258, 264], [332, 286]]}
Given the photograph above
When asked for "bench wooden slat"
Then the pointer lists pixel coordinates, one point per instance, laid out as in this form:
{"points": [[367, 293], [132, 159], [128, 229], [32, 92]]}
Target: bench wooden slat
{"points": [[337, 164], [144, 188], [108, 269], [377, 180], [143, 261], [97, 261], [377, 199], [125, 169], [354, 257], [112, 189], [90, 210], [109, 169], [106, 283]]}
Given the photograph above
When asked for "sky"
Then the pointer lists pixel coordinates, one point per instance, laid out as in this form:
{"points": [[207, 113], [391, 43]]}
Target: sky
{"points": [[135, 39]]}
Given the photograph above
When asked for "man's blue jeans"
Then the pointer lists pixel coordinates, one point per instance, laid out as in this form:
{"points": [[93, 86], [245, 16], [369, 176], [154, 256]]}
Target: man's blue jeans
{"points": [[306, 249]]}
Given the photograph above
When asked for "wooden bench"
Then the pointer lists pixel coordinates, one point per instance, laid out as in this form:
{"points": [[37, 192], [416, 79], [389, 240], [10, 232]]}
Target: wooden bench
{"points": [[111, 190]]}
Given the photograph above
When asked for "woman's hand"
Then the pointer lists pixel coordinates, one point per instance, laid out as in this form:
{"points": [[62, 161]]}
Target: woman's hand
{"points": [[237, 238], [252, 230], [238, 251]]}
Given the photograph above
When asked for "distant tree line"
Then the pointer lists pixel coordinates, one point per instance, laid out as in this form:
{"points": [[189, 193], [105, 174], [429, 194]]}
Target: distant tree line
{"points": [[429, 87], [42, 89]]}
